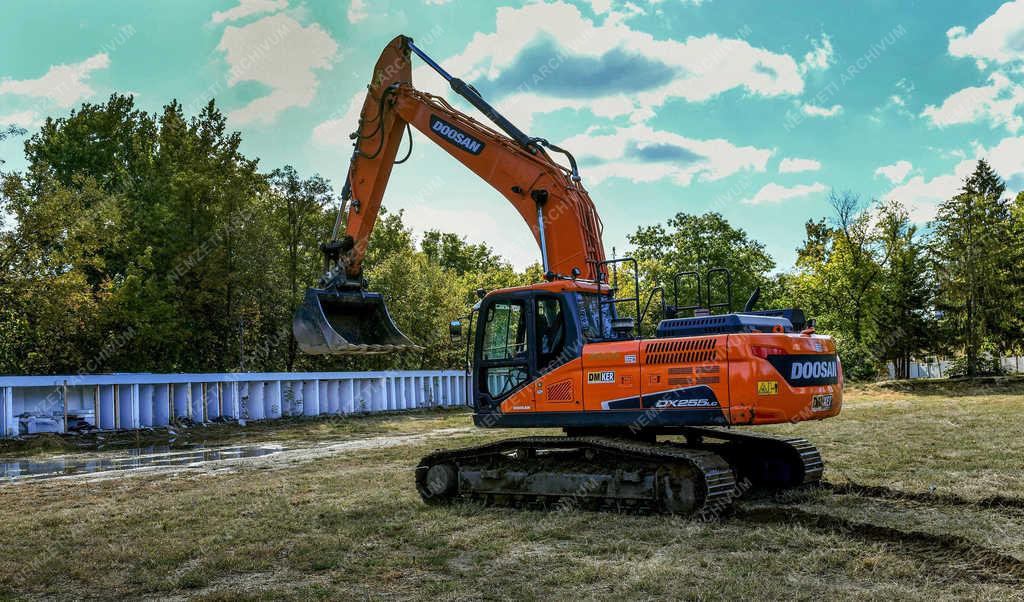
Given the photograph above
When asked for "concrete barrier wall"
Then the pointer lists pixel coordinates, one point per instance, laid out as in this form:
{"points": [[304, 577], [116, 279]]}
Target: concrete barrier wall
{"points": [[940, 368], [34, 404]]}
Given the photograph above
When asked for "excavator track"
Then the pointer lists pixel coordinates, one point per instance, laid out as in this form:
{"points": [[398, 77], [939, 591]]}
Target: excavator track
{"points": [[766, 462], [701, 476], [582, 472]]}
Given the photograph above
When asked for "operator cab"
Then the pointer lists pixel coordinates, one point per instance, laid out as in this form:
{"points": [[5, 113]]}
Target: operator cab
{"points": [[522, 334]]}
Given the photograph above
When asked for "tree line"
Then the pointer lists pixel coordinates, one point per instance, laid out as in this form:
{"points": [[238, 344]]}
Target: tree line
{"points": [[886, 289], [137, 241]]}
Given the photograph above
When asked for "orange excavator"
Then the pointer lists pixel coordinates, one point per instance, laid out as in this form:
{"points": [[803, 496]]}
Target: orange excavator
{"points": [[564, 353]]}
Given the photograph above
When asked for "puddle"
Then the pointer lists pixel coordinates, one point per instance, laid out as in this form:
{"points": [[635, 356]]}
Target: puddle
{"points": [[170, 458], [154, 456]]}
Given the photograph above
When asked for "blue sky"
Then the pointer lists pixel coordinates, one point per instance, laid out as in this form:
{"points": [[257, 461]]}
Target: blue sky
{"points": [[752, 109]]}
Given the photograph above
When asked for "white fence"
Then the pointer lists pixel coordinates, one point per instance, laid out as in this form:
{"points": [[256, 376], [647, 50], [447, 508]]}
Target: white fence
{"points": [[940, 368], [33, 404]]}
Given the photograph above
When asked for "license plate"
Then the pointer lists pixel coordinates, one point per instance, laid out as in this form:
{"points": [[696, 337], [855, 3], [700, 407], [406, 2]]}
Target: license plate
{"points": [[821, 403]]}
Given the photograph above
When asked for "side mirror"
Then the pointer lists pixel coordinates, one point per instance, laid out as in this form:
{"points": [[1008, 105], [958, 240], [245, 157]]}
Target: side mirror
{"points": [[455, 331]]}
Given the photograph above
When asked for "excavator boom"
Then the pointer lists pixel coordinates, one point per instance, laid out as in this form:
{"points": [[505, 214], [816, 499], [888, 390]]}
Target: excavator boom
{"points": [[339, 316]]}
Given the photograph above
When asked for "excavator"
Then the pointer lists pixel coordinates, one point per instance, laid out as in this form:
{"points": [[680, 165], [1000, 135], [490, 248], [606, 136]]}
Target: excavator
{"points": [[648, 422]]}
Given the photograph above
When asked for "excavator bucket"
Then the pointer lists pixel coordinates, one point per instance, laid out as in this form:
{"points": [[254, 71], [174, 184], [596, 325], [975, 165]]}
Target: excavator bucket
{"points": [[346, 322]]}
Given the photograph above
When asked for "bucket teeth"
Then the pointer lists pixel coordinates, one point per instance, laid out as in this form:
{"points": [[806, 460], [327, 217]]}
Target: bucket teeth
{"points": [[347, 322]]}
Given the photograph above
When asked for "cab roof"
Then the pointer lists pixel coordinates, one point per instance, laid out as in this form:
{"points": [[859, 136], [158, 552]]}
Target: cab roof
{"points": [[555, 286]]}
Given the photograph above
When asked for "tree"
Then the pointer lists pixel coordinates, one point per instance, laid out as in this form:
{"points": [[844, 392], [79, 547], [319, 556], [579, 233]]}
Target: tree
{"points": [[1015, 251], [699, 242], [903, 317], [839, 271], [453, 253], [972, 265], [143, 212], [299, 207]]}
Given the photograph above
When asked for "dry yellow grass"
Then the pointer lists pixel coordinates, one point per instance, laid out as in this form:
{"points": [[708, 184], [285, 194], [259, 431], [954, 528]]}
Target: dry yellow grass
{"points": [[926, 503]]}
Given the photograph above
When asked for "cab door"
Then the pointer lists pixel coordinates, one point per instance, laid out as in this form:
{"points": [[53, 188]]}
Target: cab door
{"points": [[556, 345], [504, 360]]}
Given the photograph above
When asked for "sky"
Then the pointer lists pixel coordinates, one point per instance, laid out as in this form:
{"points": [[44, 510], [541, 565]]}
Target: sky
{"points": [[756, 110]]}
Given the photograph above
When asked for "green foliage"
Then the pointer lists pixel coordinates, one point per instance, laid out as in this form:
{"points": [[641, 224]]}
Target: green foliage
{"points": [[974, 264], [149, 242], [153, 239], [903, 322], [862, 275], [453, 253], [695, 242]]}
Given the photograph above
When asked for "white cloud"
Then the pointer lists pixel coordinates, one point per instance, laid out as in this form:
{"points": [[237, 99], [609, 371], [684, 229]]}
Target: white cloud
{"points": [[997, 39], [520, 108], [774, 193], [63, 84], [821, 55], [500, 228], [600, 6], [23, 119], [816, 111], [437, 2], [641, 154], [1006, 157], [996, 103], [895, 173], [795, 165], [707, 66], [335, 130], [357, 11], [626, 11], [701, 67], [247, 8], [922, 197], [278, 52]]}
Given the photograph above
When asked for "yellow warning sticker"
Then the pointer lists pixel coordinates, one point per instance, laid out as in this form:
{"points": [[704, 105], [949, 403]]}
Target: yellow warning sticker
{"points": [[767, 387]]}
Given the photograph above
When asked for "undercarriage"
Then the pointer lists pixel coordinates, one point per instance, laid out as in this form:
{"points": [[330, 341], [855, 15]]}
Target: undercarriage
{"points": [[699, 474]]}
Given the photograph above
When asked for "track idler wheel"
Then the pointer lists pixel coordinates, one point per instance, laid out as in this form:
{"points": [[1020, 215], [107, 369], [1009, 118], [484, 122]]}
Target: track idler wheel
{"points": [[437, 484]]}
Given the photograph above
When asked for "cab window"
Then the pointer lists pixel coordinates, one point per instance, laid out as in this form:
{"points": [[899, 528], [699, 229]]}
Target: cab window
{"points": [[595, 317], [550, 331], [505, 331], [505, 344]]}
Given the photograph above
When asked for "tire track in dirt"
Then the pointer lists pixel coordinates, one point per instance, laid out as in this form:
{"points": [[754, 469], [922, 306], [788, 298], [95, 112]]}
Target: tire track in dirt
{"points": [[880, 491], [1014, 505], [961, 557]]}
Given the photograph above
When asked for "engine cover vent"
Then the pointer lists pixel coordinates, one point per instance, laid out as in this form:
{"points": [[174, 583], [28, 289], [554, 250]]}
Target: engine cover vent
{"points": [[685, 351]]}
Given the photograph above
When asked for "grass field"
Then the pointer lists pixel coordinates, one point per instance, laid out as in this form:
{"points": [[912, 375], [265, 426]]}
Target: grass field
{"points": [[925, 500]]}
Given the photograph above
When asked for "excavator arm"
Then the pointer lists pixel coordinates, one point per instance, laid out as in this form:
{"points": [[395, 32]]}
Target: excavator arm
{"points": [[340, 316]]}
